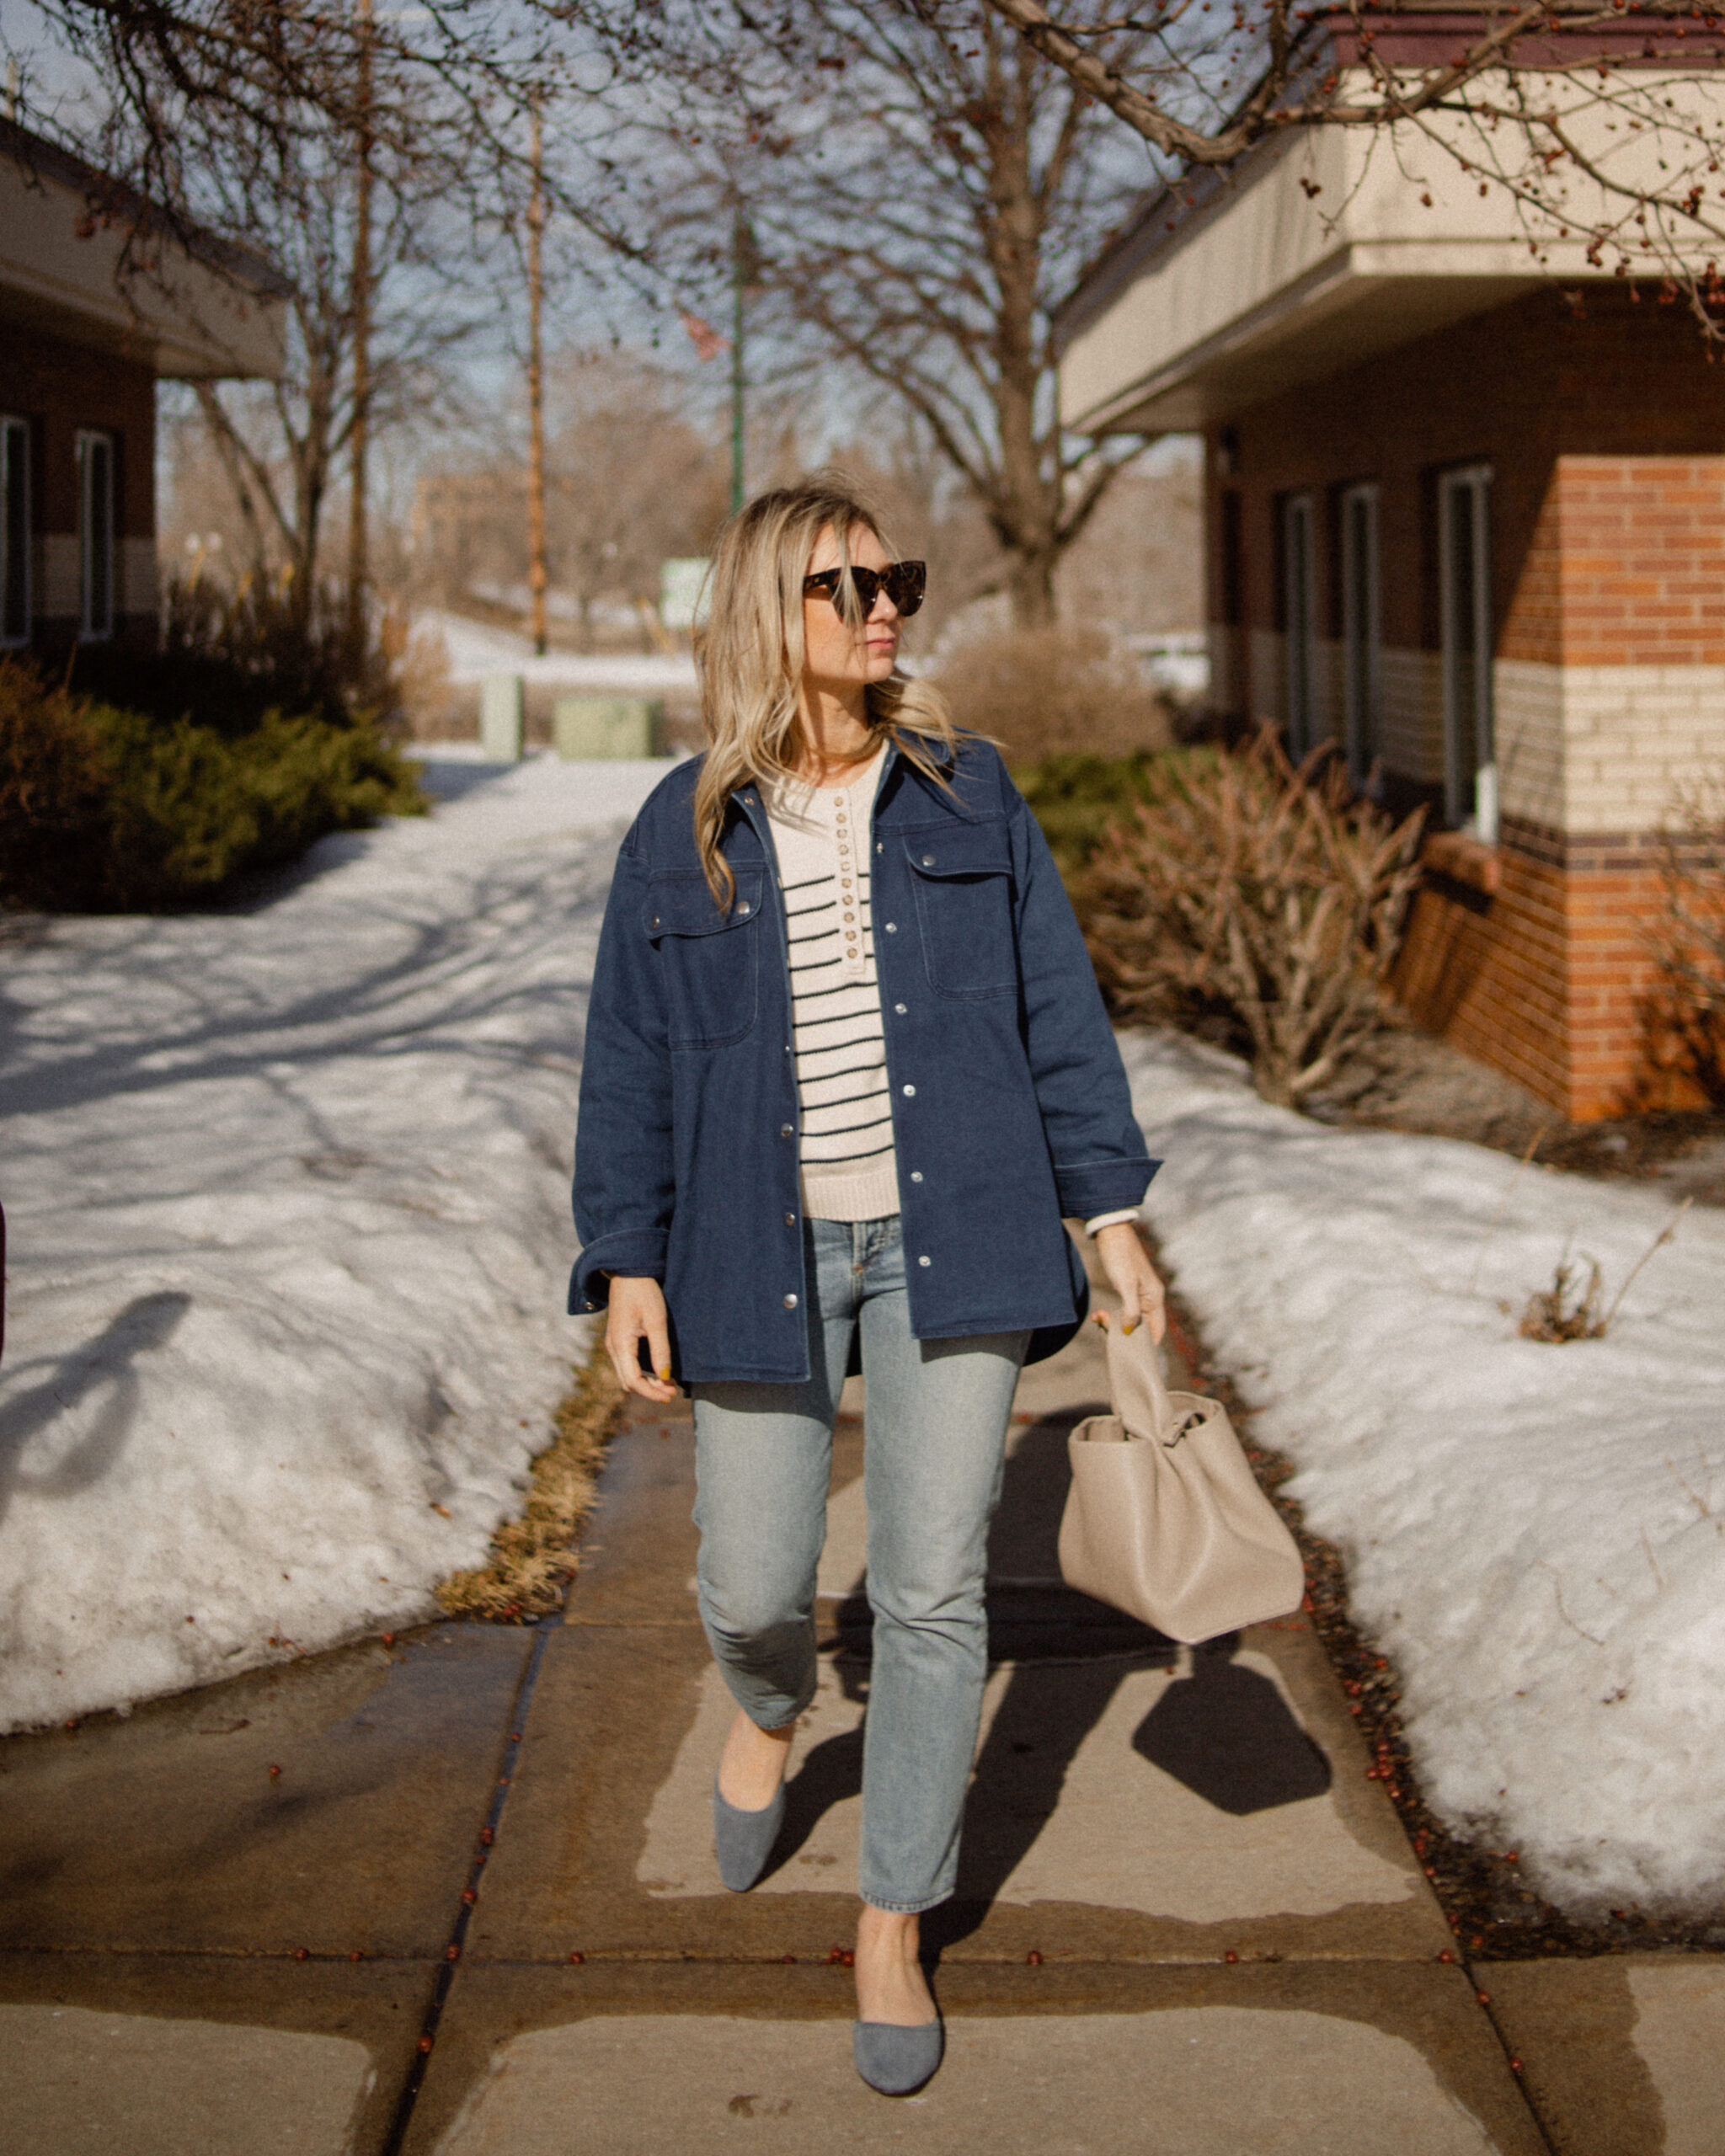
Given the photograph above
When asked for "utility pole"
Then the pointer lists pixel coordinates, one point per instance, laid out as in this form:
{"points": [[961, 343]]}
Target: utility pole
{"points": [[536, 384], [357, 568]]}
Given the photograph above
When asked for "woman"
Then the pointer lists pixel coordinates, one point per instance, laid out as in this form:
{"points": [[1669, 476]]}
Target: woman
{"points": [[846, 1069]]}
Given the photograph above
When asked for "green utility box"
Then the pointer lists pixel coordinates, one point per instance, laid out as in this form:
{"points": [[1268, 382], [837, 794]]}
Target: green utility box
{"points": [[600, 729], [501, 702]]}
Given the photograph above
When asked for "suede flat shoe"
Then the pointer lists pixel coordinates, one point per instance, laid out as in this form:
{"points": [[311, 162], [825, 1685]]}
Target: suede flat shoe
{"points": [[897, 2061], [743, 1840]]}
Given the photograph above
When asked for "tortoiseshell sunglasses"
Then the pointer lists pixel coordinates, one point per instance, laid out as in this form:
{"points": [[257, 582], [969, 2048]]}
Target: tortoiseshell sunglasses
{"points": [[904, 583]]}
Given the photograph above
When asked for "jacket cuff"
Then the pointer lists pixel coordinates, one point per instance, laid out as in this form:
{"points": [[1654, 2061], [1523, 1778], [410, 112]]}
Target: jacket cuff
{"points": [[1094, 1187], [638, 1253]]}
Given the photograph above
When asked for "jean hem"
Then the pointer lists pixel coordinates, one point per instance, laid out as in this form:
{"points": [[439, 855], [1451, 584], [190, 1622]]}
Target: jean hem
{"points": [[907, 1908]]}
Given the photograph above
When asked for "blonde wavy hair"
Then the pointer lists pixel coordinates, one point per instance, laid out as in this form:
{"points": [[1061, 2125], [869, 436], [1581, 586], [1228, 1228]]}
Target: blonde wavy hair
{"points": [[751, 656]]}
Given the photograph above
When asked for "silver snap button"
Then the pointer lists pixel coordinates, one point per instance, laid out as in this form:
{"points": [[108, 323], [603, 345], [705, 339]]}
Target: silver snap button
{"points": [[928, 860], [910, 1092], [892, 928], [916, 1175], [791, 1300], [785, 1131], [879, 847], [922, 1261], [744, 908], [655, 920], [900, 1008], [790, 1219]]}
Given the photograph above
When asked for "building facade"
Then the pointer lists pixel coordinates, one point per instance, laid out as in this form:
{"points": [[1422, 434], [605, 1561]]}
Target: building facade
{"points": [[85, 332], [1469, 526]]}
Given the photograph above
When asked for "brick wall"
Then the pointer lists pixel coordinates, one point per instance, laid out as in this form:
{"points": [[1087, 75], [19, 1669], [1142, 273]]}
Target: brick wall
{"points": [[59, 388], [1552, 402], [1631, 565], [1546, 979], [1608, 510]]}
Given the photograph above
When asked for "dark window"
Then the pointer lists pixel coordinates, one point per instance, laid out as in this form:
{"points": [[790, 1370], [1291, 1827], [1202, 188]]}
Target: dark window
{"points": [[1465, 598], [95, 458], [1298, 548], [14, 531], [1361, 640]]}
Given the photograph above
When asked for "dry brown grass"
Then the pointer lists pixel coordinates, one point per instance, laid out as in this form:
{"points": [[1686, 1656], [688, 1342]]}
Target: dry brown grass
{"points": [[1051, 692], [533, 1557], [1569, 1309]]}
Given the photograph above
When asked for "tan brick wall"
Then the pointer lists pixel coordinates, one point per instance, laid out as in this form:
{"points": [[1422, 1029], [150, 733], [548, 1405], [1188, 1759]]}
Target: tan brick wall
{"points": [[1413, 688]]}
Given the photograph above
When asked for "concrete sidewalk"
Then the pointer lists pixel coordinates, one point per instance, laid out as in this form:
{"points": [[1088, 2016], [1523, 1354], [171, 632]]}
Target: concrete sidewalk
{"points": [[459, 1896]]}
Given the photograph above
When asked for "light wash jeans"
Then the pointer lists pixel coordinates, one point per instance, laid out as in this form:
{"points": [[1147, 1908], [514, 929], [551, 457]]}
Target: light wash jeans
{"points": [[937, 1411]]}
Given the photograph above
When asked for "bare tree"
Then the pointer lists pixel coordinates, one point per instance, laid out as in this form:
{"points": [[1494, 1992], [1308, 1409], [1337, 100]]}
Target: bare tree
{"points": [[374, 313], [922, 187], [1603, 122], [175, 77], [631, 477]]}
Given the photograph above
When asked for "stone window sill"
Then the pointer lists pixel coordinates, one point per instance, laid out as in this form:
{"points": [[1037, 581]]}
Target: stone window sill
{"points": [[1463, 859]]}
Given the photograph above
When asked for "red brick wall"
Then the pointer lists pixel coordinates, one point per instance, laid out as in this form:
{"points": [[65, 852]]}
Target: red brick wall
{"points": [[1627, 566], [1490, 973], [1546, 979], [1519, 388], [1603, 431], [60, 388]]}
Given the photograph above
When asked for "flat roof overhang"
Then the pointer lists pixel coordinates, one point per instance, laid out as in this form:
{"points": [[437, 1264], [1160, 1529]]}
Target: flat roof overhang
{"points": [[1318, 251], [197, 312], [1362, 301]]}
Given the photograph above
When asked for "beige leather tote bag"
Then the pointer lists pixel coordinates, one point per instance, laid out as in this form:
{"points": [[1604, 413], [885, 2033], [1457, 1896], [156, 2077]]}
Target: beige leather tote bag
{"points": [[1165, 1519]]}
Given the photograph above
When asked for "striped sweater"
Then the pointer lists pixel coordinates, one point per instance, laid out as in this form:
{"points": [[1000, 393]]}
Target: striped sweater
{"points": [[849, 1168], [821, 836]]}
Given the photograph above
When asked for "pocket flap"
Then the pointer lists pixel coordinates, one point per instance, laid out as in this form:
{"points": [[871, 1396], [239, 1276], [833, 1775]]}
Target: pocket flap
{"points": [[681, 904], [956, 849]]}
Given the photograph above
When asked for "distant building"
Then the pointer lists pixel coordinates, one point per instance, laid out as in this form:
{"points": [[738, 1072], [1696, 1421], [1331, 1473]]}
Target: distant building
{"points": [[1467, 523], [84, 336]]}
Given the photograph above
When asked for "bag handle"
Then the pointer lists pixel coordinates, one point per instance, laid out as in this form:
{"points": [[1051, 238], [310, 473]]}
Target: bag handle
{"points": [[1141, 1396]]}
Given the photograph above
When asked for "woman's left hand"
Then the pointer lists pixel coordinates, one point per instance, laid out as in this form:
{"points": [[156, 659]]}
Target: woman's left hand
{"points": [[1133, 1278]]}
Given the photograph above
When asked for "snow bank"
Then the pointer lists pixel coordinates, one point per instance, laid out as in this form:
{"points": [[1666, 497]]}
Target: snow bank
{"points": [[287, 1200], [475, 649], [1537, 1533]]}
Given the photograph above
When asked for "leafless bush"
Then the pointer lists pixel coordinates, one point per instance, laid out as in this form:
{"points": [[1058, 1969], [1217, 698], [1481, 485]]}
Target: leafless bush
{"points": [[1684, 1014], [1264, 900], [1048, 692]]}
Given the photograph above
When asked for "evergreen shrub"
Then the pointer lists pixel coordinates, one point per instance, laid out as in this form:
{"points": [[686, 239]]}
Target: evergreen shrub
{"points": [[113, 810]]}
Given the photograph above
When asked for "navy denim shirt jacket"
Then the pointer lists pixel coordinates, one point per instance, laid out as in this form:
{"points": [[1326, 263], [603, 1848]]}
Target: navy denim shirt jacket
{"points": [[1010, 1103]]}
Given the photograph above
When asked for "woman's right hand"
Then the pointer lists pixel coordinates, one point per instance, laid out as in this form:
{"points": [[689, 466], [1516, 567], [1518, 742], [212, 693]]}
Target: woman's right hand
{"points": [[636, 1312]]}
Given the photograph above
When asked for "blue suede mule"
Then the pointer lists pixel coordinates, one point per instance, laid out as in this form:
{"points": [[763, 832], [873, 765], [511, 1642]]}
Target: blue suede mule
{"points": [[743, 1840]]}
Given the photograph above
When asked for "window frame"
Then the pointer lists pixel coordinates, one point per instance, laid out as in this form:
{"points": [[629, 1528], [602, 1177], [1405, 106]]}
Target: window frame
{"points": [[15, 489], [1362, 632], [1470, 750], [92, 628], [1299, 621]]}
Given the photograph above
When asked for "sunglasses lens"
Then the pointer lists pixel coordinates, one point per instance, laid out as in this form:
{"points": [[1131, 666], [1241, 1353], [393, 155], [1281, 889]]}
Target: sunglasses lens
{"points": [[905, 583]]}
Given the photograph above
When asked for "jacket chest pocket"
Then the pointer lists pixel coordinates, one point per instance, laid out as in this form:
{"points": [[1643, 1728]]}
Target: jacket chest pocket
{"points": [[961, 875], [710, 959]]}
